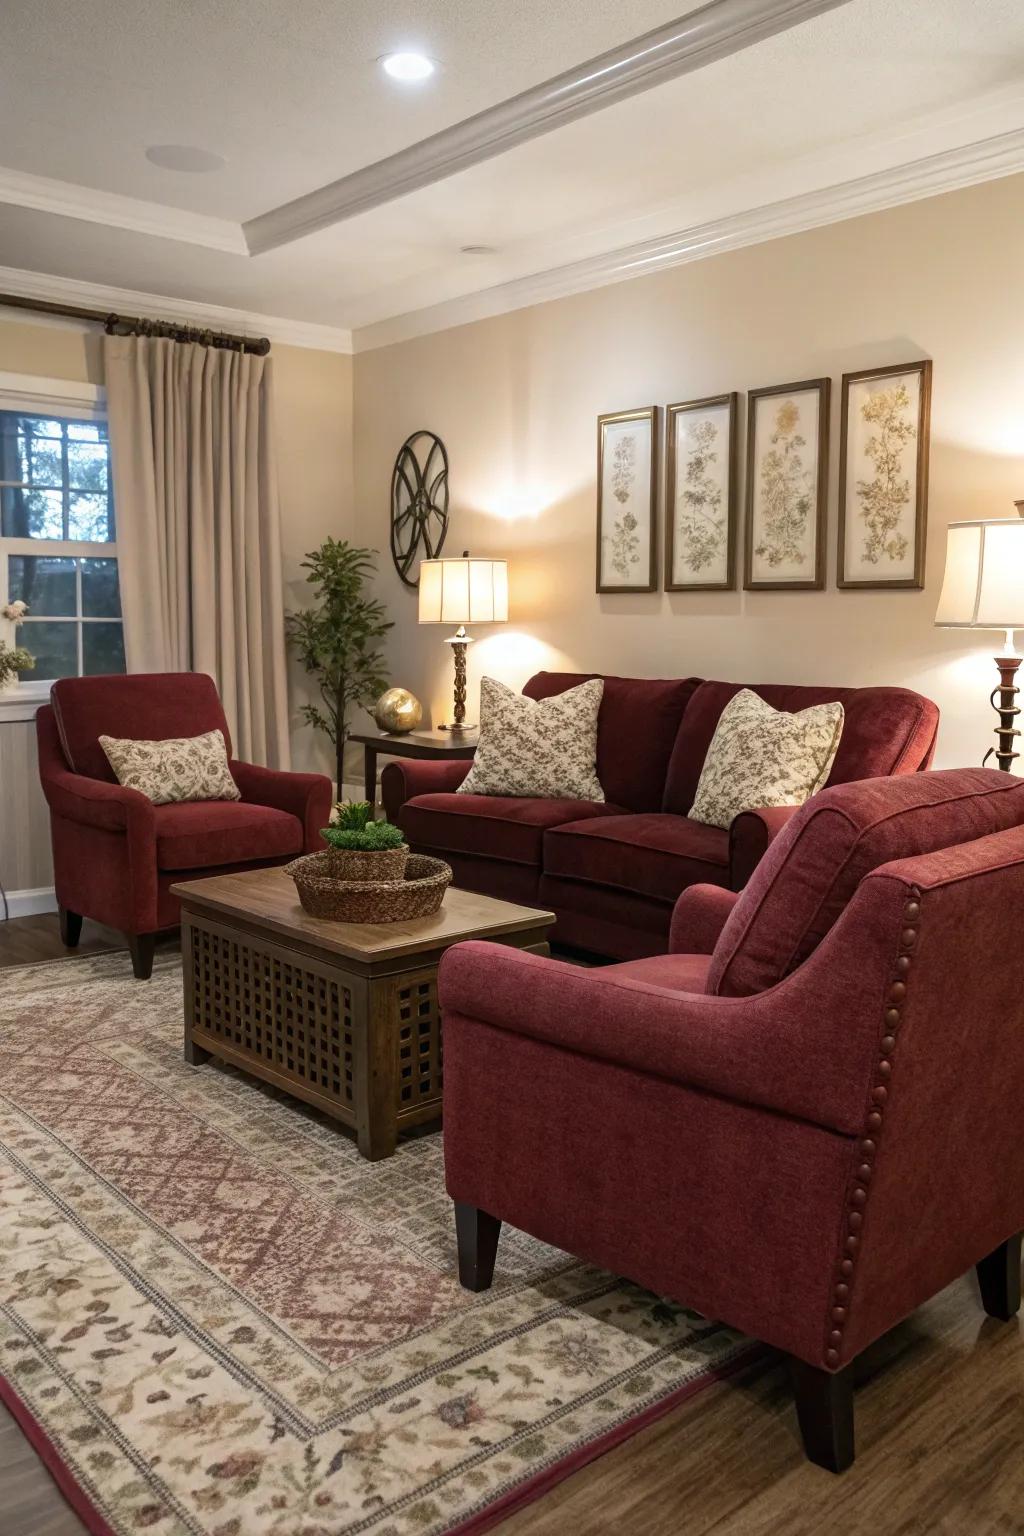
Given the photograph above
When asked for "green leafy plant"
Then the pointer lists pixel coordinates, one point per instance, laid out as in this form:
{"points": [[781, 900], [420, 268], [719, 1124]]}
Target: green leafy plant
{"points": [[14, 659], [336, 641], [354, 827]]}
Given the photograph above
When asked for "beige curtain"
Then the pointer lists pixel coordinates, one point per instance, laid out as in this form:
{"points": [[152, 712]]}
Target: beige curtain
{"points": [[198, 526]]}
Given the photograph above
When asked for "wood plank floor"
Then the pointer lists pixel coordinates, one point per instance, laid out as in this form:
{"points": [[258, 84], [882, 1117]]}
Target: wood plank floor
{"points": [[940, 1431]]}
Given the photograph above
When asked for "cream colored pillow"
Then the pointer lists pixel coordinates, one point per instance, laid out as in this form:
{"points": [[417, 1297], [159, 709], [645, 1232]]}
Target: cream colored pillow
{"points": [[764, 756], [537, 747], [181, 768]]}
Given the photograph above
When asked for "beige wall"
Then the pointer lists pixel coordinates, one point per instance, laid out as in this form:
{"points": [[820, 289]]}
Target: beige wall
{"points": [[313, 395], [515, 399]]}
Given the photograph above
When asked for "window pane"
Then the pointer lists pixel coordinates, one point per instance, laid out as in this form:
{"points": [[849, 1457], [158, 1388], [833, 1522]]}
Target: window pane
{"points": [[89, 517], [31, 514], [14, 442], [87, 431], [87, 466], [102, 648], [44, 582], [44, 462], [54, 644], [101, 597], [43, 426]]}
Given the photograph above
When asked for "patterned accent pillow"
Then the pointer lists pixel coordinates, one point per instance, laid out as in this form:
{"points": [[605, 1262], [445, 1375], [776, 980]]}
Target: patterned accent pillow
{"points": [[529, 747], [760, 756], [181, 768]]}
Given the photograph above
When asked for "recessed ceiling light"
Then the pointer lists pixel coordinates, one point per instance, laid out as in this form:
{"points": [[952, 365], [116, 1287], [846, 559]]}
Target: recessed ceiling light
{"points": [[407, 66], [184, 157]]}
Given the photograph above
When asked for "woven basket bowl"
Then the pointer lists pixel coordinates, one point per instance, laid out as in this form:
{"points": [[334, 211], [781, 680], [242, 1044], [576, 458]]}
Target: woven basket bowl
{"points": [[365, 865], [370, 901]]}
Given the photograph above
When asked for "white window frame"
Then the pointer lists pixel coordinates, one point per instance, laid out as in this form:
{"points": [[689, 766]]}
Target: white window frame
{"points": [[71, 401]]}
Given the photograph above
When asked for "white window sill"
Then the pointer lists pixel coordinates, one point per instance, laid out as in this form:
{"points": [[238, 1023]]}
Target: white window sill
{"points": [[21, 703]]}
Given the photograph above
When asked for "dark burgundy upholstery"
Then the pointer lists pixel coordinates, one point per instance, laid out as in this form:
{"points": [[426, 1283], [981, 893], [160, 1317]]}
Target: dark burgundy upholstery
{"points": [[115, 854], [807, 1163], [144, 707], [654, 855], [612, 872], [636, 729], [496, 826], [813, 867], [885, 731]]}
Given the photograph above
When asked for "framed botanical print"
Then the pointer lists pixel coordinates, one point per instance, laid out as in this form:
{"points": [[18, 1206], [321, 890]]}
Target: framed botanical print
{"points": [[787, 486], [700, 495], [627, 471], [883, 476]]}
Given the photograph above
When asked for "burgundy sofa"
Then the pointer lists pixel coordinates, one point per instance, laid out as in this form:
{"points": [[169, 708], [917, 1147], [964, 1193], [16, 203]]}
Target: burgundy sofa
{"points": [[611, 872], [115, 854], [804, 1120]]}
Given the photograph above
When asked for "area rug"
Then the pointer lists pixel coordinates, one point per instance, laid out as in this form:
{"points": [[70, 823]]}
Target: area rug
{"points": [[217, 1319]]}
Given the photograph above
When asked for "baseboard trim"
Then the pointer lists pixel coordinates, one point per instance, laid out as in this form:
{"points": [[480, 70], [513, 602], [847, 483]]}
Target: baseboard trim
{"points": [[30, 903]]}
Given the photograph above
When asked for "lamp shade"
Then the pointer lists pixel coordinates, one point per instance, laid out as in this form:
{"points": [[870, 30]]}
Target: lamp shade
{"points": [[983, 586], [463, 591]]}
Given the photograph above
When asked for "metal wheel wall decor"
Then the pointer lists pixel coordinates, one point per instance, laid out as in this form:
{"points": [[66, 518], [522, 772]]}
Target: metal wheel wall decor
{"points": [[419, 503]]}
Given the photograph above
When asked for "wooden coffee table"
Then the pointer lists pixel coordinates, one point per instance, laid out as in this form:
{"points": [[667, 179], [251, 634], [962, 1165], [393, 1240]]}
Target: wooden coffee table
{"points": [[343, 1015]]}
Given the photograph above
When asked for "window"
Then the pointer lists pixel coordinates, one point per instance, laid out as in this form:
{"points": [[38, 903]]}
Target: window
{"points": [[58, 550]]}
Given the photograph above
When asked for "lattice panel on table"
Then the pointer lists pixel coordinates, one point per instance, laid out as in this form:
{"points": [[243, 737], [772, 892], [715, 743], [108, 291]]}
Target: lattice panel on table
{"points": [[420, 1076], [281, 1010]]}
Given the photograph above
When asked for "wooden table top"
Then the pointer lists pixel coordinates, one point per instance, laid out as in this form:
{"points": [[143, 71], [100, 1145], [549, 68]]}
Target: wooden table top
{"points": [[433, 742], [268, 898]]}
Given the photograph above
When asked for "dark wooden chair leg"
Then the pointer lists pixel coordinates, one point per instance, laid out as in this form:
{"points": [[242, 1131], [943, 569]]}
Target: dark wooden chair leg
{"points": [[70, 927], [477, 1235], [824, 1408], [142, 947], [999, 1279]]}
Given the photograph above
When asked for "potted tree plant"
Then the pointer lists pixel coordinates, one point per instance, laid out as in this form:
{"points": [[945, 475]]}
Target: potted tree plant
{"points": [[337, 640]]}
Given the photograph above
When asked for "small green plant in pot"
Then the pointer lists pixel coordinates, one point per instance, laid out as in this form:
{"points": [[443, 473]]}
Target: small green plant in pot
{"points": [[360, 848]]}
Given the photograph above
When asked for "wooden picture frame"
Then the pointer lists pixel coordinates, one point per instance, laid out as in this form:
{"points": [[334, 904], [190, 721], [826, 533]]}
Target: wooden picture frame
{"points": [[786, 495], [700, 535], [883, 521], [627, 473]]}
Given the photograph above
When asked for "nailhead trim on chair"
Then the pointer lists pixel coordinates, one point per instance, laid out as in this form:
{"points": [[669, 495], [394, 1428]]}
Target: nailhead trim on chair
{"points": [[858, 1198]]}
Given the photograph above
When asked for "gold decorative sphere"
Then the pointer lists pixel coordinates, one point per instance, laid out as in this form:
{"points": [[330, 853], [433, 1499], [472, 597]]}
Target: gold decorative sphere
{"points": [[398, 711]]}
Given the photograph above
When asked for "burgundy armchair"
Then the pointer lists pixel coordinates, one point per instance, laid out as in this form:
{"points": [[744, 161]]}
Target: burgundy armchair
{"points": [[115, 854], [805, 1119]]}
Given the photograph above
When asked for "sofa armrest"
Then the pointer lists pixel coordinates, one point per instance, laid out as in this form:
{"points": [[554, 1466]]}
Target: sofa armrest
{"points": [[698, 918], [307, 796], [751, 835], [406, 777], [95, 803], [806, 1048]]}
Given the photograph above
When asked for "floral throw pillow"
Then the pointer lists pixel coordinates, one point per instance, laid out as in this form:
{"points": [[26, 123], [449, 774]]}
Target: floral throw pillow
{"points": [[181, 768], [538, 747], [761, 756]]}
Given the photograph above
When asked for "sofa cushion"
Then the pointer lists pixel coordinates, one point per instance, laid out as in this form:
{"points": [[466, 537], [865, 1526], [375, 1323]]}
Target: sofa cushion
{"points": [[146, 706], [677, 973], [885, 731], [496, 826], [637, 725], [813, 867], [537, 748], [652, 854], [208, 832], [760, 756]]}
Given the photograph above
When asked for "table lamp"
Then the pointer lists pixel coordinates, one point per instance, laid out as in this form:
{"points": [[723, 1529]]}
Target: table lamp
{"points": [[983, 588], [462, 592]]}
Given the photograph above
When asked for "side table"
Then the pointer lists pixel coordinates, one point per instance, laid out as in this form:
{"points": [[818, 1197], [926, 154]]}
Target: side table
{"points": [[442, 746]]}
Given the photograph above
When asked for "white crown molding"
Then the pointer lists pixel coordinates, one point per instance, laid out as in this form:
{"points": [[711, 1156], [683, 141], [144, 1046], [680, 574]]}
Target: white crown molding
{"points": [[713, 32], [152, 306], [112, 210], [947, 171]]}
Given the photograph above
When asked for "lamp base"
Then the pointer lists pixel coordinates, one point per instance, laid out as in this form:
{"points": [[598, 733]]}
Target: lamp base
{"points": [[457, 728], [1007, 710]]}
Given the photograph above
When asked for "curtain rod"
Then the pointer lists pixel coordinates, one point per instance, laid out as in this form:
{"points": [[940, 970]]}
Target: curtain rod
{"points": [[133, 325]]}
